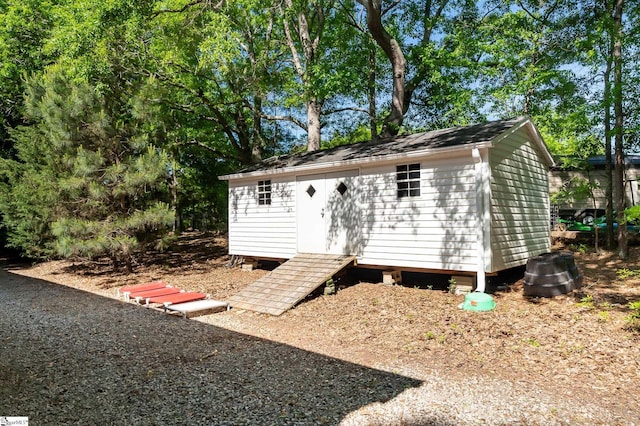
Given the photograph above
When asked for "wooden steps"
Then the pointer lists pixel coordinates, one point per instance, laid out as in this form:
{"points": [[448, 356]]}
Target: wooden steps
{"points": [[197, 306], [289, 283]]}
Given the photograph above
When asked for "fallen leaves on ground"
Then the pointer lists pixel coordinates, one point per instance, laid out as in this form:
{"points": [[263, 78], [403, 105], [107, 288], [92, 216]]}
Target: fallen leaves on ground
{"points": [[578, 344]]}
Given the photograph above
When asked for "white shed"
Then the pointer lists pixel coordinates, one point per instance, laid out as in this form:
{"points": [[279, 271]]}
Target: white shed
{"points": [[464, 200]]}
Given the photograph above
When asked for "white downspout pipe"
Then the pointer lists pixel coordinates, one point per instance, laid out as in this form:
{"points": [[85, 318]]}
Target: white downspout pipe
{"points": [[480, 219]]}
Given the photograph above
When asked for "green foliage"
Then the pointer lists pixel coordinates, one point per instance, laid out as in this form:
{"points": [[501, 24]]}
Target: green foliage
{"points": [[632, 214], [28, 201], [532, 342], [212, 71], [24, 28], [116, 236], [587, 302], [523, 57], [635, 310], [633, 319], [133, 103], [574, 190], [569, 136], [604, 316], [580, 248], [359, 134], [87, 182], [625, 274]]}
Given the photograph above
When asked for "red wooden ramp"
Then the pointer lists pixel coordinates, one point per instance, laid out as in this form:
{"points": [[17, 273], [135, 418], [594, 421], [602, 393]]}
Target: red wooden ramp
{"points": [[138, 296], [169, 299], [289, 283], [125, 291]]}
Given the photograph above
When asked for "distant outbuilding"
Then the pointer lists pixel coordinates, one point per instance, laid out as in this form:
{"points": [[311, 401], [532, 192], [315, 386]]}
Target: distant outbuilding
{"points": [[561, 177], [468, 200]]}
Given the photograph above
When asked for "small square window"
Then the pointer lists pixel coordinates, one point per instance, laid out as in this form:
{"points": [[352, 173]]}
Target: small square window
{"points": [[342, 188], [408, 180], [264, 192]]}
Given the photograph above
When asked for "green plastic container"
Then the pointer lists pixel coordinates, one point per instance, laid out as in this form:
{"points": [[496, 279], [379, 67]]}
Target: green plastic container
{"points": [[478, 302]]}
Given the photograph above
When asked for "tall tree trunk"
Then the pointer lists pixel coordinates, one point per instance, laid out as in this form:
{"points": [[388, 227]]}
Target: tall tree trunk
{"points": [[623, 249], [305, 68], [594, 201], [608, 164], [128, 262], [256, 148], [371, 85], [174, 199], [403, 87], [392, 50], [528, 97], [313, 121]]}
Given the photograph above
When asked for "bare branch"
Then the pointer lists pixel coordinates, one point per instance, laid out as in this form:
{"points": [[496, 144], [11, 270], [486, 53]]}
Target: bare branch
{"points": [[219, 117], [288, 118], [428, 27], [320, 27], [208, 148], [356, 109], [351, 19], [188, 6], [391, 7], [545, 18], [289, 39]]}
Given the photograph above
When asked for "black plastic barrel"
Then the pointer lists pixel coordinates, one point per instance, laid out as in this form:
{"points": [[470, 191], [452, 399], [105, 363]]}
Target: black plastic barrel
{"points": [[551, 274]]}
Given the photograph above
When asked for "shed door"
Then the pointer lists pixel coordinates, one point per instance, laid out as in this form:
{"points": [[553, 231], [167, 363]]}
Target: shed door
{"points": [[325, 205], [342, 213], [311, 203]]}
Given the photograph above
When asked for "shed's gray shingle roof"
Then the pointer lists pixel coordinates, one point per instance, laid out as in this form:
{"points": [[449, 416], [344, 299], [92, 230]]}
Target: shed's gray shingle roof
{"points": [[436, 139]]}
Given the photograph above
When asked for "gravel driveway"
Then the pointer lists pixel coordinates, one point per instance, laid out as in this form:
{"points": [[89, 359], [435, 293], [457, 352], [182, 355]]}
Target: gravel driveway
{"points": [[72, 357]]}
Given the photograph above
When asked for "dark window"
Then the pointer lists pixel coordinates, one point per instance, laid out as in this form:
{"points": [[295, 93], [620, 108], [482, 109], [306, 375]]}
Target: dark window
{"points": [[311, 190], [264, 192], [408, 180], [342, 188]]}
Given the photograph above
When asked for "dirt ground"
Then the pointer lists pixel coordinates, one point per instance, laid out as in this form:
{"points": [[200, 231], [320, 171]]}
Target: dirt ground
{"points": [[578, 346]]}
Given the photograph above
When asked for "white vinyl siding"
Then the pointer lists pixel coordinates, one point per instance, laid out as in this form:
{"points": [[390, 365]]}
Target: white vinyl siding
{"points": [[262, 230], [519, 202], [435, 230], [473, 212]]}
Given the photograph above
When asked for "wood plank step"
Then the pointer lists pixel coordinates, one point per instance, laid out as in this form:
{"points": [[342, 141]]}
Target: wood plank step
{"points": [[200, 306], [140, 287]]}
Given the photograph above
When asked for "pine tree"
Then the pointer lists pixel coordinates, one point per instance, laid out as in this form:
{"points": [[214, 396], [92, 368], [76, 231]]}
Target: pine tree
{"points": [[89, 182]]}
